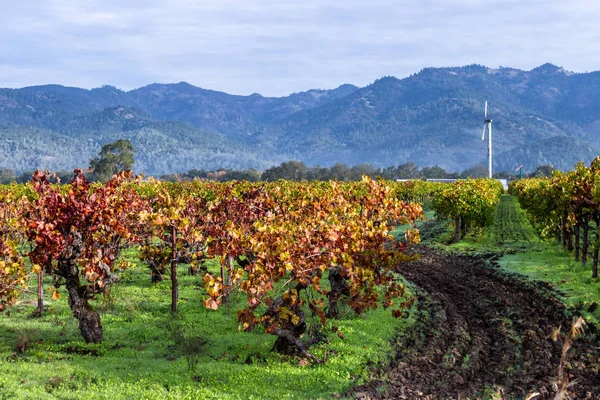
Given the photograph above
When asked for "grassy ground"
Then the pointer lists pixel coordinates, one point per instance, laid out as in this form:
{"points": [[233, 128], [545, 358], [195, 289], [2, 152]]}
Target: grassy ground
{"points": [[511, 232], [556, 266], [523, 252], [149, 354], [398, 232]]}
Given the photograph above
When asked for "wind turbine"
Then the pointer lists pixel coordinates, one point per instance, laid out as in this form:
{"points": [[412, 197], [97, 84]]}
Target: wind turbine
{"points": [[487, 123]]}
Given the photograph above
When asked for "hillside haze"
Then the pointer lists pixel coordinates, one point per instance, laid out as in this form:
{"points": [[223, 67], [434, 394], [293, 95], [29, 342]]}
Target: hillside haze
{"points": [[435, 117]]}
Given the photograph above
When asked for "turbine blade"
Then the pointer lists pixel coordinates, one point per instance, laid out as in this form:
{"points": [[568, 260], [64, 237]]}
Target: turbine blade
{"points": [[485, 110], [483, 135]]}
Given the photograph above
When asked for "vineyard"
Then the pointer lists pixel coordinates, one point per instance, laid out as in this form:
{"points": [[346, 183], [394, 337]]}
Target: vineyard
{"points": [[275, 290], [566, 207]]}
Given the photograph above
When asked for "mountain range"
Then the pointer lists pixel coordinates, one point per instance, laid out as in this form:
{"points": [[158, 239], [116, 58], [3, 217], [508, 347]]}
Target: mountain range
{"points": [[435, 117]]}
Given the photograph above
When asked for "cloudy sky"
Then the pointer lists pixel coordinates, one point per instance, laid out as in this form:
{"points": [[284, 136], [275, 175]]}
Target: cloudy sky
{"points": [[275, 47]]}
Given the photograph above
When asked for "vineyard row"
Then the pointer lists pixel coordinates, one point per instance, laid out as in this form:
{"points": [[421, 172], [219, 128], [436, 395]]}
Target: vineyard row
{"points": [[276, 242]]}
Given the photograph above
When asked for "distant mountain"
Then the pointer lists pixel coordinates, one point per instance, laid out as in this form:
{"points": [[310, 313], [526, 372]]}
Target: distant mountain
{"points": [[53, 106], [161, 147], [235, 116], [434, 117], [561, 151]]}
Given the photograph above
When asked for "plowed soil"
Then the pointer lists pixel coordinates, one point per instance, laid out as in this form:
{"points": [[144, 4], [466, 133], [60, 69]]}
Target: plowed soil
{"points": [[483, 334]]}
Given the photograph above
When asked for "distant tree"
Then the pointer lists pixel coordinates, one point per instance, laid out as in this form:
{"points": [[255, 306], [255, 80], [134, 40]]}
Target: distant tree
{"points": [[542, 171], [171, 178], [250, 175], [504, 175], [359, 170], [196, 173], [319, 174], [340, 172], [434, 173], [25, 177], [7, 175], [408, 170], [478, 171], [113, 158], [289, 170]]}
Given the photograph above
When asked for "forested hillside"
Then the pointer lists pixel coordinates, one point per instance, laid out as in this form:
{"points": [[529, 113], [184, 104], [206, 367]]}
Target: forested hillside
{"points": [[546, 115]]}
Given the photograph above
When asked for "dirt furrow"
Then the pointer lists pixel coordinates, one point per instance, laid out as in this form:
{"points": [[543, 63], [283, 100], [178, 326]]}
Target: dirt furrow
{"points": [[481, 333]]}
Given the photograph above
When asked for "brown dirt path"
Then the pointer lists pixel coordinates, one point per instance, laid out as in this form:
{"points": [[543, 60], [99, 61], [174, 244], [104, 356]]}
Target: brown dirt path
{"points": [[482, 333]]}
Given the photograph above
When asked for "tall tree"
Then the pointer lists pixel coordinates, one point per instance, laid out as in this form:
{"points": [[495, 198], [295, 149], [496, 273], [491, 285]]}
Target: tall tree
{"points": [[339, 171], [478, 171], [543, 171], [113, 158], [357, 172], [289, 170], [7, 176], [434, 172], [407, 170]]}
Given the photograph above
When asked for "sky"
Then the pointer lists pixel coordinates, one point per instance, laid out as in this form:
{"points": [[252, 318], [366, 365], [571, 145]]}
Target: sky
{"points": [[277, 47]]}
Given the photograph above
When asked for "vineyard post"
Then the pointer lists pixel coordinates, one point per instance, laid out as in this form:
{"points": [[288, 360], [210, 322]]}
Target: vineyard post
{"points": [[595, 262], [229, 273], [586, 231], [223, 274], [596, 248], [40, 292], [174, 284], [563, 230], [577, 244]]}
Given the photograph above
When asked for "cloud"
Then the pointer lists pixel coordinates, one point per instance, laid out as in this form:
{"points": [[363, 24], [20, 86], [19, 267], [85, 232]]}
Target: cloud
{"points": [[276, 47]]}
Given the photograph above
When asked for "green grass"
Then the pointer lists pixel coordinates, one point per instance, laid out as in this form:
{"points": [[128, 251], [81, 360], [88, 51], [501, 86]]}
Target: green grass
{"points": [[143, 354], [556, 266], [511, 232], [398, 232]]}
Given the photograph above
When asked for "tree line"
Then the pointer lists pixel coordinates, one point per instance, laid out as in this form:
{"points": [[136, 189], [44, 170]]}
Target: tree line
{"points": [[120, 156], [299, 171]]}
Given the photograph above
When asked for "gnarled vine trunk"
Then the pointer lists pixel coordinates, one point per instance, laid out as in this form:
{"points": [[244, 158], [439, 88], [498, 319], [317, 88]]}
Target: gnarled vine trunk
{"points": [[89, 320], [157, 271], [289, 334], [464, 227], [570, 245], [457, 230], [339, 288]]}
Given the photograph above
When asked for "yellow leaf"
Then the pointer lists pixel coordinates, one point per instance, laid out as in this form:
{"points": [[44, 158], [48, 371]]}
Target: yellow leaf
{"points": [[36, 268]]}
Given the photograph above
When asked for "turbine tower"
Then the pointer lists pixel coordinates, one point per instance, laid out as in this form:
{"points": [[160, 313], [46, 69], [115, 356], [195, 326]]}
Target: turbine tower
{"points": [[487, 123]]}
